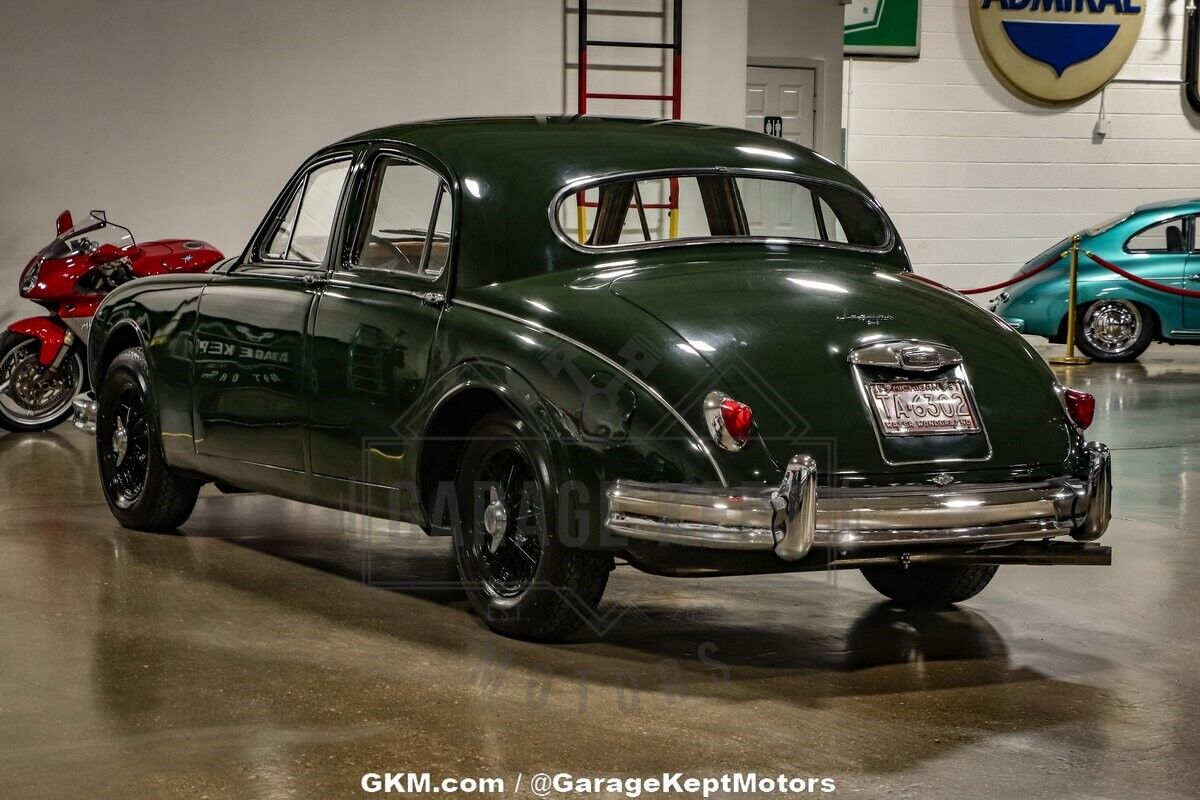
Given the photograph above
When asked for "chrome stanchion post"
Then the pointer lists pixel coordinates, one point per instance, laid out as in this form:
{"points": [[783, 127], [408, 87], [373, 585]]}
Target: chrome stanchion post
{"points": [[1070, 358]]}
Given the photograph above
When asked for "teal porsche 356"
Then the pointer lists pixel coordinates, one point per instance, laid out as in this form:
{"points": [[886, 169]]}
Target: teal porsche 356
{"points": [[1118, 319], [571, 341]]}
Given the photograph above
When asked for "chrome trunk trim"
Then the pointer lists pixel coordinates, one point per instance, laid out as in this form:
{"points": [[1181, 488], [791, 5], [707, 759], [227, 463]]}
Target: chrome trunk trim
{"points": [[908, 355]]}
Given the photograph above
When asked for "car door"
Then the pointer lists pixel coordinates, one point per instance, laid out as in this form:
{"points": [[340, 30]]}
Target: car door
{"points": [[375, 322], [1191, 305], [249, 399], [1159, 252]]}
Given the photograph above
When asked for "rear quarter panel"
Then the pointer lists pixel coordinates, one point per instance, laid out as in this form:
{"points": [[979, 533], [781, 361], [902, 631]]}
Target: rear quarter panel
{"points": [[599, 423]]}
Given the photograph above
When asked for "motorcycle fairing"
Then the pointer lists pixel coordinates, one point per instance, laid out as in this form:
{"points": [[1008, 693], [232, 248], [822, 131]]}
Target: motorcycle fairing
{"points": [[48, 331]]}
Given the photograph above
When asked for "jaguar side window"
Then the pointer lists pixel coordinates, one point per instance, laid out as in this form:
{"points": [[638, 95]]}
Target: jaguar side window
{"points": [[408, 224], [302, 233]]}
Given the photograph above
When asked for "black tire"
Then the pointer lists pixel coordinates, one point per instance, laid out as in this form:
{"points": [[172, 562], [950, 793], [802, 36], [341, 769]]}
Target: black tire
{"points": [[927, 585], [142, 491], [533, 587], [1114, 330], [74, 381]]}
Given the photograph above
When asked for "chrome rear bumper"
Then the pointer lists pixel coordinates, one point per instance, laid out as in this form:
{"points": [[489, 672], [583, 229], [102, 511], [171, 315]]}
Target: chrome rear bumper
{"points": [[791, 520]]}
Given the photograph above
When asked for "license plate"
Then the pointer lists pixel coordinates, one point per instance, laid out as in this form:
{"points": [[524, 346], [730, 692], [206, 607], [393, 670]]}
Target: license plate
{"points": [[923, 409]]}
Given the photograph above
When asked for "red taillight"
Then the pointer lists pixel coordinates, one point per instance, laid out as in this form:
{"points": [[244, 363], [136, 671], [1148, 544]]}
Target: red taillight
{"points": [[729, 421], [1081, 407], [738, 419]]}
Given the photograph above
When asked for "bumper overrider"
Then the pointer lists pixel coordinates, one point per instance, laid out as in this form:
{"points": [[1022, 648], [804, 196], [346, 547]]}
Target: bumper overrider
{"points": [[794, 518], [84, 415]]}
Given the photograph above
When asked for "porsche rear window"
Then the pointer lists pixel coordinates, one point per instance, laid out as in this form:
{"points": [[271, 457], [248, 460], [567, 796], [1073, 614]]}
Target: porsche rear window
{"points": [[632, 211]]}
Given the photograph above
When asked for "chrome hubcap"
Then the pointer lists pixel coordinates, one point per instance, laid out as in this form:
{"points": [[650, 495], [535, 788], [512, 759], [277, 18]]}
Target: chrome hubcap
{"points": [[508, 523], [1112, 325], [124, 464], [495, 520], [120, 441]]}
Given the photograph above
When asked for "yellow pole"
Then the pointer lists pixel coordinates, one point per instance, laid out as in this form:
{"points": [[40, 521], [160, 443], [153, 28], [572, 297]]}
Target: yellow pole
{"points": [[674, 216], [1070, 358], [581, 210]]}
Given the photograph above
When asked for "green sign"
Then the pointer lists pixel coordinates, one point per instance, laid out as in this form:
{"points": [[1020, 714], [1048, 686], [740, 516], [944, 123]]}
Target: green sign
{"points": [[883, 28]]}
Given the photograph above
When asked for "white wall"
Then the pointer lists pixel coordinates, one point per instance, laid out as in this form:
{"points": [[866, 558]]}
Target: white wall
{"points": [[978, 181], [809, 30], [185, 118]]}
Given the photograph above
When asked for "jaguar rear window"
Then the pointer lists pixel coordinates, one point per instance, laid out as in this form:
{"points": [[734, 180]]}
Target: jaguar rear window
{"points": [[633, 211]]}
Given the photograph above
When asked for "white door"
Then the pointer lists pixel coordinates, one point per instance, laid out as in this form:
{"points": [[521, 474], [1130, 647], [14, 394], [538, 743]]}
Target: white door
{"points": [[782, 101]]}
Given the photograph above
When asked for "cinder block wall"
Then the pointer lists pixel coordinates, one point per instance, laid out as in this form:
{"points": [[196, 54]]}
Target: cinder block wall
{"points": [[978, 182]]}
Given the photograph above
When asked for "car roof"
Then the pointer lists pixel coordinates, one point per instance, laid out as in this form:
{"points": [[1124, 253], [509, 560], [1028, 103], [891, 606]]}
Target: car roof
{"points": [[1165, 205], [509, 170], [593, 146]]}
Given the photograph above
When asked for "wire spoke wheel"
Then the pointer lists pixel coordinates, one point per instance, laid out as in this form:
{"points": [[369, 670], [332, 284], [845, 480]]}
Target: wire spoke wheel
{"points": [[142, 489], [32, 394], [1113, 326], [520, 577], [127, 451], [508, 521]]}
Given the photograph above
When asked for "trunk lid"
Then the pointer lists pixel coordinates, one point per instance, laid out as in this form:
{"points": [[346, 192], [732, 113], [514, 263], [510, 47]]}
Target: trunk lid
{"points": [[779, 330]]}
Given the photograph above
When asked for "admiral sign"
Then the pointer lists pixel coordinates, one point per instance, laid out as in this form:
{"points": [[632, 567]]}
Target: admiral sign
{"points": [[1056, 52]]}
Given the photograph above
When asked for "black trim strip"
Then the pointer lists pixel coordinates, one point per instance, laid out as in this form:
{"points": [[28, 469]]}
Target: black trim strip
{"points": [[1191, 59]]}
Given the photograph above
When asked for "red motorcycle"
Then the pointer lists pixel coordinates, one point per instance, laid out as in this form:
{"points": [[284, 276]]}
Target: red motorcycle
{"points": [[42, 358]]}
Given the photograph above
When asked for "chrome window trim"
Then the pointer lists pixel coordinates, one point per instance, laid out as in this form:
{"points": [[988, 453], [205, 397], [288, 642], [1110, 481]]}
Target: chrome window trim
{"points": [[342, 283], [592, 181], [650, 390]]}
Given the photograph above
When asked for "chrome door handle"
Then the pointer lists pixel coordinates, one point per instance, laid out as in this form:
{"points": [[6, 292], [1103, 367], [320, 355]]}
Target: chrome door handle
{"points": [[1195, 277], [312, 281], [435, 299]]}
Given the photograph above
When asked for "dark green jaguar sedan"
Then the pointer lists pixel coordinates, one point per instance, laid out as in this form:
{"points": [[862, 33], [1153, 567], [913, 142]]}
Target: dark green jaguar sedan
{"points": [[567, 342]]}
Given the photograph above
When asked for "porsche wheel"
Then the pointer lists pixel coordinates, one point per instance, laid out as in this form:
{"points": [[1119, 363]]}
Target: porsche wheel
{"points": [[142, 491], [518, 576], [1114, 330]]}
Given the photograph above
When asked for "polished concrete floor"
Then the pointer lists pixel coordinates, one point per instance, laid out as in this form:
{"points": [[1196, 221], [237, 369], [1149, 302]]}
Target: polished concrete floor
{"points": [[274, 650]]}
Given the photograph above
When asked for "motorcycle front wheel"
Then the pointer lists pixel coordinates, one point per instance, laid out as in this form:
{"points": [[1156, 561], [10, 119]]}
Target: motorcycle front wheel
{"points": [[31, 398]]}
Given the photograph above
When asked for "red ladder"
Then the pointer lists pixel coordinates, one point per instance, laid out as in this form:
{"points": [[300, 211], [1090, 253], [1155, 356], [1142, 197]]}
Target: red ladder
{"points": [[675, 46], [675, 98]]}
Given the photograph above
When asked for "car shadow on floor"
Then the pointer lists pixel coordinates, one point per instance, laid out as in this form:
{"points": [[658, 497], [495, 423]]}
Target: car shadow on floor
{"points": [[711, 627], [262, 603]]}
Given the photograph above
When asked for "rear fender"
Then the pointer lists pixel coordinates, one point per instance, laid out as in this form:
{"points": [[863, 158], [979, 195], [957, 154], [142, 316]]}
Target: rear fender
{"points": [[513, 390], [49, 332]]}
